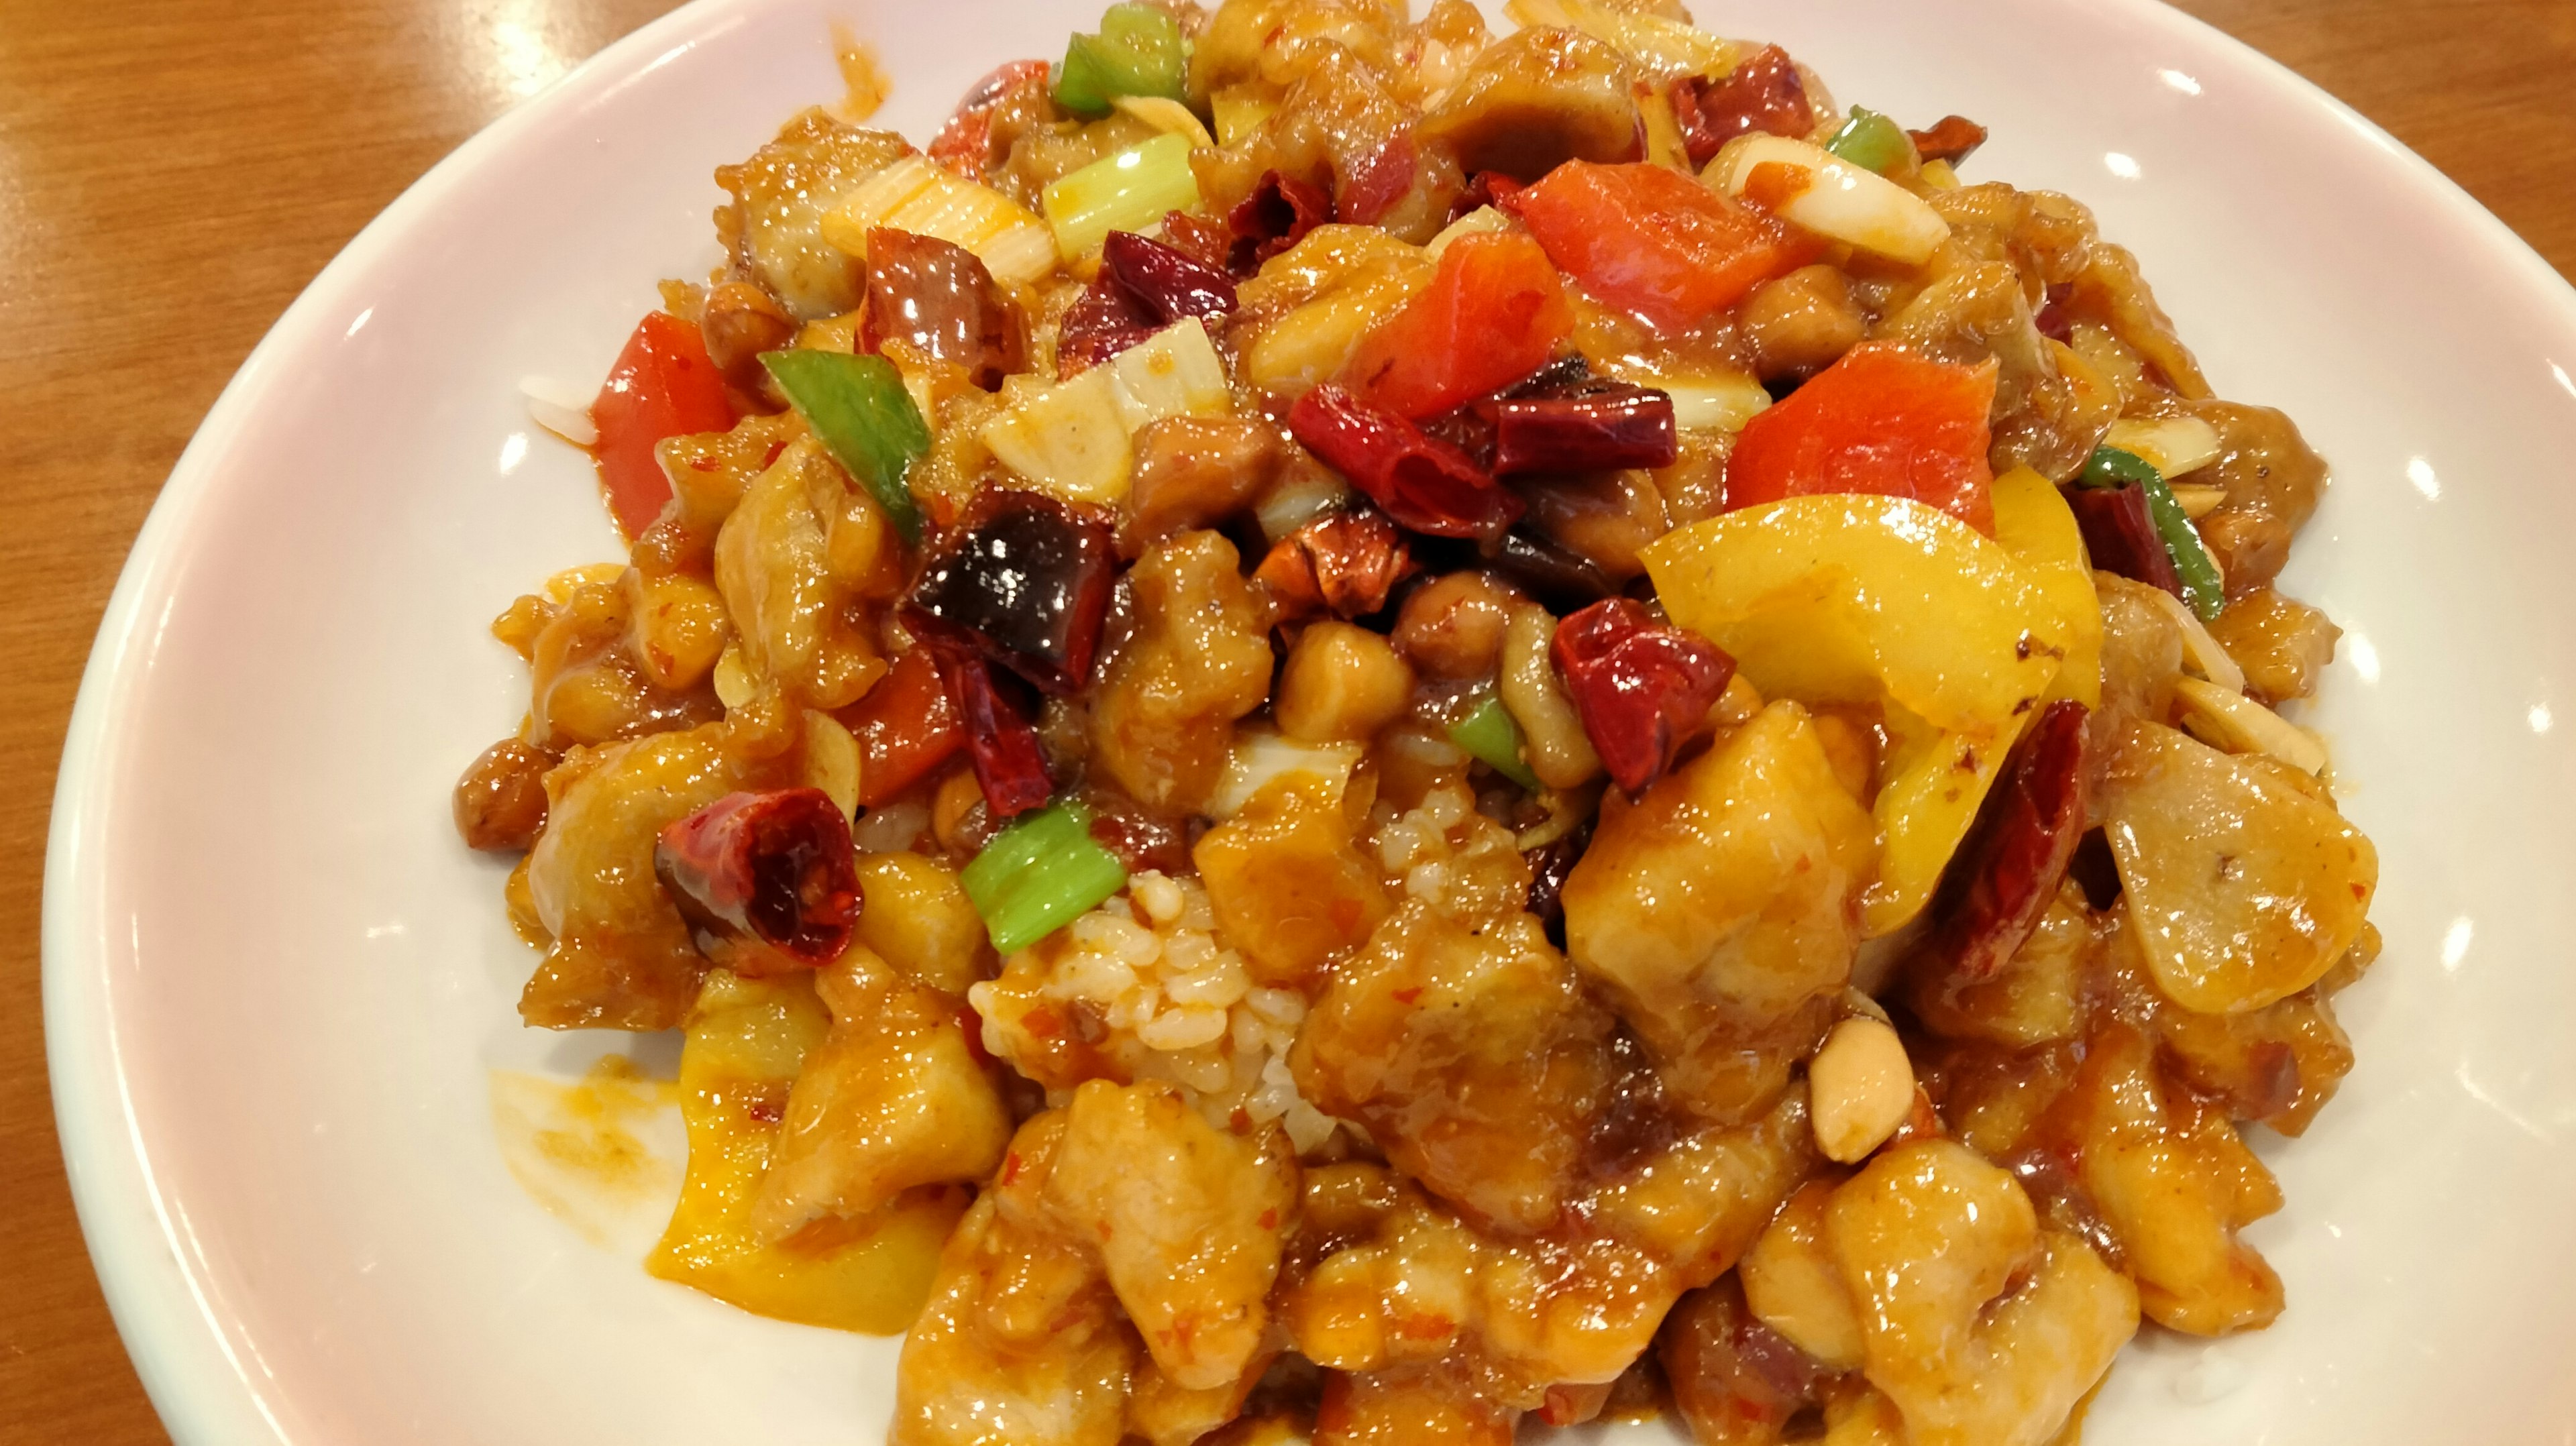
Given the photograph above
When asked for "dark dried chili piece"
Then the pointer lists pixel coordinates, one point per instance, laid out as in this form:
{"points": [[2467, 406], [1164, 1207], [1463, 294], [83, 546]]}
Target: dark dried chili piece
{"points": [[1550, 864], [1763, 94], [2054, 321], [1560, 579], [1424, 484], [767, 881], [2000, 881], [1952, 138], [2120, 534], [1277, 215], [1639, 685], [1102, 322], [965, 144], [1168, 282], [1026, 584], [1485, 188], [1346, 564], [1595, 425], [1001, 739], [936, 295]]}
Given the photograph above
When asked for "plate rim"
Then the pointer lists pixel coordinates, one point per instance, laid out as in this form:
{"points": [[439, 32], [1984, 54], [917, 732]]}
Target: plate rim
{"points": [[184, 1357]]}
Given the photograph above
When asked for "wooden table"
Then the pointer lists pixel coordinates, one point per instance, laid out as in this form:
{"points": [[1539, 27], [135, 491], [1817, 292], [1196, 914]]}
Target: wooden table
{"points": [[171, 174]]}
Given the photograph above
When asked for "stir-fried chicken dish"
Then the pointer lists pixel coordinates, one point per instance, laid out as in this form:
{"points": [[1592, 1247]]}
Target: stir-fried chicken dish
{"points": [[1342, 727]]}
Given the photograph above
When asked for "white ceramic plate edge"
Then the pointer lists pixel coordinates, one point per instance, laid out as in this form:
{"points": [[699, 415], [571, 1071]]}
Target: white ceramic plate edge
{"points": [[137, 1238]]}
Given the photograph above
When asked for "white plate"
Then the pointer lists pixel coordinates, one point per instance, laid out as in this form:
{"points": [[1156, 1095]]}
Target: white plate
{"points": [[274, 983]]}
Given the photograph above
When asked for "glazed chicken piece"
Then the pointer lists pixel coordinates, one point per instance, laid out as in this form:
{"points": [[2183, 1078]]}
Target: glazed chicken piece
{"points": [[1440, 1402], [1474, 1060], [780, 195], [620, 956], [797, 561], [1289, 887], [892, 1098], [1188, 1221], [588, 681], [1720, 911], [1022, 1343], [1163, 711]]}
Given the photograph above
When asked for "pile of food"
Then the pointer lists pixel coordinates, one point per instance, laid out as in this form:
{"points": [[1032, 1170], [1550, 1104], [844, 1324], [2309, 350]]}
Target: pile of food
{"points": [[1343, 727]]}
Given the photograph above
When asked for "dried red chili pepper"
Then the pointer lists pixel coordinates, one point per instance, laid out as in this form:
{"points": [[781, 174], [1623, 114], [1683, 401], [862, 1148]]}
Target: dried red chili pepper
{"points": [[1549, 866], [965, 144], [1001, 739], [937, 295], [1764, 94], [1594, 425], [1026, 584], [2120, 534], [2009, 866], [1102, 322], [1203, 239], [1346, 564], [1485, 188], [2054, 320], [1952, 138], [1170, 283], [1639, 685], [1424, 484], [1277, 215], [767, 881], [1376, 181]]}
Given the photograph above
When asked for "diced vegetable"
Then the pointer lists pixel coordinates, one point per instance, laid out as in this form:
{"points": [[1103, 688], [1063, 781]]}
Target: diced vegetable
{"points": [[858, 407], [2245, 887], [1488, 733], [1001, 738], [937, 296], [2238, 724], [905, 728], [1648, 240], [1640, 686], [2171, 445], [1704, 401], [1931, 782], [1805, 185], [2033, 523], [2009, 867], [2194, 574], [1168, 116], [1950, 140], [1137, 51], [1026, 584], [1238, 111], [2202, 654], [1423, 483], [1596, 425], [1128, 191], [1262, 757], [1071, 439], [914, 195], [1492, 314], [1850, 598], [767, 881], [663, 385], [1870, 141], [1480, 221], [1883, 420], [1764, 95], [1040, 874]]}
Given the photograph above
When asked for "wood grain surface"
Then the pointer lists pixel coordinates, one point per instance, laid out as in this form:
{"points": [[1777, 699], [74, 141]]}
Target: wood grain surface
{"points": [[172, 172]]}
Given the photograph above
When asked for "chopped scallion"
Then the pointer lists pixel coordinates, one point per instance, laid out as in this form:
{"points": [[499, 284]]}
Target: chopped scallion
{"points": [[858, 408], [1039, 875], [1129, 191], [2113, 468], [1138, 51], [1489, 733], [1870, 140]]}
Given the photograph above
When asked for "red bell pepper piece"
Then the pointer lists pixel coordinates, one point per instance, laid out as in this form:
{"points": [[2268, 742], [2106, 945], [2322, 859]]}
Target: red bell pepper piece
{"points": [[905, 727], [1492, 314], [1881, 420], [767, 881], [1652, 241], [1419, 481], [1640, 686], [662, 386]]}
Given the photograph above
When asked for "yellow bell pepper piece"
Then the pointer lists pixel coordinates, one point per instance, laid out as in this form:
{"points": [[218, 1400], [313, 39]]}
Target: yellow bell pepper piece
{"points": [[2034, 524]]}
